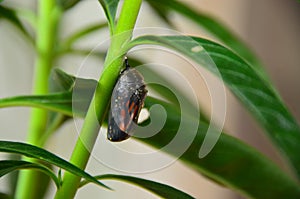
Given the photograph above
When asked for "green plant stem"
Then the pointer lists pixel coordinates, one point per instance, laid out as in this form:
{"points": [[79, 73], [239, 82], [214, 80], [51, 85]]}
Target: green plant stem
{"points": [[99, 104], [49, 14]]}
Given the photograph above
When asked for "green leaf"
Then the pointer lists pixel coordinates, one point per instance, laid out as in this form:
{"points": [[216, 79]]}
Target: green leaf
{"points": [[42, 154], [162, 190], [231, 162], [10, 15], [83, 52], [161, 11], [215, 28], [4, 195], [43, 179], [62, 82], [67, 4], [55, 121], [12, 178], [110, 8], [73, 98], [59, 102], [67, 45], [246, 84], [7, 166]]}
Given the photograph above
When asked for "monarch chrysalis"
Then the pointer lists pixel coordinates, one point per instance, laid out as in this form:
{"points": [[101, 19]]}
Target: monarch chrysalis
{"points": [[126, 103]]}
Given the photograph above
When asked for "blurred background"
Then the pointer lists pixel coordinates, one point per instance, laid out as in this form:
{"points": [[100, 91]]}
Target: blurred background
{"points": [[270, 27]]}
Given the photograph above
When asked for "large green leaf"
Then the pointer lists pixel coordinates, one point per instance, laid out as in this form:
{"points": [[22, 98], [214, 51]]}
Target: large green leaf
{"points": [[214, 27], [162, 190], [41, 154], [231, 162], [246, 84], [110, 9], [7, 166]]}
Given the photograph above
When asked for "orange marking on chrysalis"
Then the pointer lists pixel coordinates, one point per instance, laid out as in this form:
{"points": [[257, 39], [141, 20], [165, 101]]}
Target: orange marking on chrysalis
{"points": [[131, 107], [122, 125]]}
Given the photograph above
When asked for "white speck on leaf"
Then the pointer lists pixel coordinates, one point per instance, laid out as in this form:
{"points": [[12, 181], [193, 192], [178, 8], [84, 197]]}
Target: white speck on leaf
{"points": [[196, 49]]}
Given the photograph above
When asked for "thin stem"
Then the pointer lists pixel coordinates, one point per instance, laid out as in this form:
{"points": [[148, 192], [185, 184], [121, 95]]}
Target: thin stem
{"points": [[98, 107], [66, 45], [49, 14]]}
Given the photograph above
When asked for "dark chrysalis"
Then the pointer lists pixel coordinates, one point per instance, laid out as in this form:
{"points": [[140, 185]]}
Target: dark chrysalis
{"points": [[126, 103]]}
